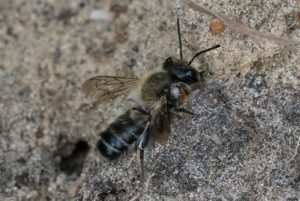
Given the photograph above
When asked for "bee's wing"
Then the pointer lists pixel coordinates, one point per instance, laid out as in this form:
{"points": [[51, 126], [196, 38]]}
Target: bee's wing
{"points": [[104, 88], [160, 125]]}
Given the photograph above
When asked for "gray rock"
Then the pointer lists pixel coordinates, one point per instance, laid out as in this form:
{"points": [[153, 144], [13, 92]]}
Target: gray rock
{"points": [[242, 145]]}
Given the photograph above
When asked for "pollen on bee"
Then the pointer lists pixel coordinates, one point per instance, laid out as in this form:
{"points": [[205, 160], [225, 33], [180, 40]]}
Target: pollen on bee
{"points": [[183, 96], [175, 91]]}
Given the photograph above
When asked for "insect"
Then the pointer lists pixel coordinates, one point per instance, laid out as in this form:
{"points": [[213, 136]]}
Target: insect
{"points": [[150, 102]]}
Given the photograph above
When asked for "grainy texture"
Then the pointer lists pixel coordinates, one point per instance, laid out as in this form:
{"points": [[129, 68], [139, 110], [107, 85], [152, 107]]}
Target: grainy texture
{"points": [[241, 146]]}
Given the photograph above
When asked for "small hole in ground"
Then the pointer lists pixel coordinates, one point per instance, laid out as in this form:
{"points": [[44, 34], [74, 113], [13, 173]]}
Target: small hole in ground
{"points": [[74, 162]]}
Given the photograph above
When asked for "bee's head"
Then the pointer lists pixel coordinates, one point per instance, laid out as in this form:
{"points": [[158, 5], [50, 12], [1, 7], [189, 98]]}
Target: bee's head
{"points": [[183, 72], [185, 77]]}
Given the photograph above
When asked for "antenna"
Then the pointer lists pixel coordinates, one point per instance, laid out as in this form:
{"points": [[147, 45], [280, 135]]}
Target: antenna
{"points": [[203, 51], [179, 38]]}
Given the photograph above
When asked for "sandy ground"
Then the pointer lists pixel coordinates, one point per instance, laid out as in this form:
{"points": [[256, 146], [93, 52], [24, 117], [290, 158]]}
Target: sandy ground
{"points": [[241, 146]]}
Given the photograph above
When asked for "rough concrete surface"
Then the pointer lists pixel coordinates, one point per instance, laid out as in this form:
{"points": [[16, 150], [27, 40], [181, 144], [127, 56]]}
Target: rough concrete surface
{"points": [[241, 146]]}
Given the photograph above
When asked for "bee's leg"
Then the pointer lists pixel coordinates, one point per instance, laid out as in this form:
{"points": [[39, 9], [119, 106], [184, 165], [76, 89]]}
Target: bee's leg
{"points": [[141, 110], [183, 110], [142, 145], [142, 163]]}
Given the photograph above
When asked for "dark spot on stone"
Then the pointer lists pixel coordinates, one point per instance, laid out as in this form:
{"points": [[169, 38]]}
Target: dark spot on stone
{"points": [[39, 133], [109, 48], [121, 34], [22, 180], [21, 161], [24, 92], [203, 148], [30, 118], [65, 15], [162, 26], [56, 55], [193, 26], [118, 9], [257, 65], [168, 163], [107, 187], [11, 32], [95, 53], [167, 166], [130, 63], [135, 48], [81, 5], [48, 12], [293, 114], [297, 179], [239, 138], [255, 81], [74, 162], [187, 182]]}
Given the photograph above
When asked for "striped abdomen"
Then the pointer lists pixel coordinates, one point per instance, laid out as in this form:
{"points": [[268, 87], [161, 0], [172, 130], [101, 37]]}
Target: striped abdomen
{"points": [[121, 133]]}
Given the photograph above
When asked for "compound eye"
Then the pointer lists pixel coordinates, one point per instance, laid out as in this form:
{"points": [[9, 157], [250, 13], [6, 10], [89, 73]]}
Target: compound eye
{"points": [[190, 77], [169, 59], [189, 74]]}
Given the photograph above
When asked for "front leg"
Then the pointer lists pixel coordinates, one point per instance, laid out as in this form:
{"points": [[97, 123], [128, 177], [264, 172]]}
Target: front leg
{"points": [[178, 93], [144, 139]]}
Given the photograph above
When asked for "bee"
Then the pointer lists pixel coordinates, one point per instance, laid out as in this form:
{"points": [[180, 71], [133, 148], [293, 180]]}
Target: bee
{"points": [[150, 102]]}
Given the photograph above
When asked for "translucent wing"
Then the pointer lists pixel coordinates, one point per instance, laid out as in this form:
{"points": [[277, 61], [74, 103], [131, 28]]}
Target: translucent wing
{"points": [[104, 88], [160, 125]]}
